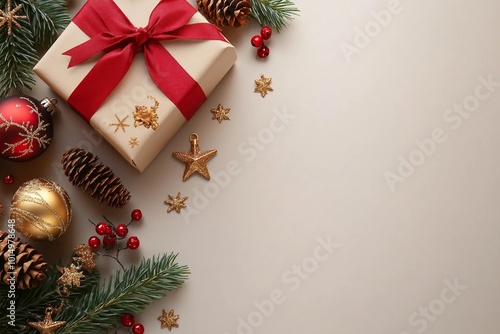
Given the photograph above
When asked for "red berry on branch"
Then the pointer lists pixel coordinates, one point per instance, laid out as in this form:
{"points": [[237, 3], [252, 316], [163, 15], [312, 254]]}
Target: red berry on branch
{"points": [[122, 230], [102, 228], [266, 32], [9, 179], [109, 241], [257, 41], [263, 52], [128, 320], [133, 243], [94, 242], [136, 214], [138, 329]]}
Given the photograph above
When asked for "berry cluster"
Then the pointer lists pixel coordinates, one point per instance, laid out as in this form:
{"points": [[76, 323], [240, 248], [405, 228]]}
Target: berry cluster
{"points": [[258, 42], [129, 322], [111, 235]]}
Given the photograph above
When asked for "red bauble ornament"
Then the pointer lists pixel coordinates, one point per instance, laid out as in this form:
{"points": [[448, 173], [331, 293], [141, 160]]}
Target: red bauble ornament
{"points": [[138, 329], [94, 242], [136, 214], [122, 230], [128, 320], [133, 243], [25, 127], [257, 41], [263, 52], [266, 32], [9, 179]]}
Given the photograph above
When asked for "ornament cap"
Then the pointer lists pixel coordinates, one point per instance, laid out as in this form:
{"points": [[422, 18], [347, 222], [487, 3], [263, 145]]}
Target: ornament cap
{"points": [[49, 105]]}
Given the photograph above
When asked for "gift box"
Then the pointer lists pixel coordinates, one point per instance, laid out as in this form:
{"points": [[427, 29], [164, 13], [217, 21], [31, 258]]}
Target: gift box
{"points": [[137, 70]]}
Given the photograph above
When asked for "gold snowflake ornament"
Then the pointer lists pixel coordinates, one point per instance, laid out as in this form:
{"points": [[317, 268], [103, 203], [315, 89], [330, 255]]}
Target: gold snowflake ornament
{"points": [[168, 319], [9, 17], [263, 85], [147, 117], [133, 142], [175, 203], [70, 276], [220, 113], [120, 124]]}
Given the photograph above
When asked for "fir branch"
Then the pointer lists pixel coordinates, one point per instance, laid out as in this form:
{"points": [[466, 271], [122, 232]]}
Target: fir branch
{"points": [[47, 19], [274, 13], [101, 308]]}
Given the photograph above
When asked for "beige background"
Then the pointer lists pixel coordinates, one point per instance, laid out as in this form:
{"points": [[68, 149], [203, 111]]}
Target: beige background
{"points": [[253, 235]]}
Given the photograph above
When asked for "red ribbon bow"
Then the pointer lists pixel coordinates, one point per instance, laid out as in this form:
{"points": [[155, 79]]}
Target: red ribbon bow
{"points": [[111, 32]]}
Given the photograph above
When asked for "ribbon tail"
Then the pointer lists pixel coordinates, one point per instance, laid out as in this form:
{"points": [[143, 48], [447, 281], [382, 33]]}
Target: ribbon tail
{"points": [[95, 88], [173, 80]]}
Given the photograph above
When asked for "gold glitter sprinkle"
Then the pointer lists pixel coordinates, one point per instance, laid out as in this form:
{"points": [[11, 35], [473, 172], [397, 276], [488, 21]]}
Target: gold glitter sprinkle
{"points": [[220, 113], [175, 203], [168, 319], [263, 85]]}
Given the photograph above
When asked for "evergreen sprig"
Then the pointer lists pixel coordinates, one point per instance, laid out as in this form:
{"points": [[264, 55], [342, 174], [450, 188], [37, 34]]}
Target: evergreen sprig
{"points": [[138, 286], [18, 51], [274, 13]]}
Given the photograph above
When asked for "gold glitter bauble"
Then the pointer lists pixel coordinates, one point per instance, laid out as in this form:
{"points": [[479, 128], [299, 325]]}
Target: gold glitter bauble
{"points": [[41, 210]]}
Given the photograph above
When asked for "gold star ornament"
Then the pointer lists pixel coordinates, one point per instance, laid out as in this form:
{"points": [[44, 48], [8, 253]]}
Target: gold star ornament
{"points": [[168, 319], [175, 203], [9, 16], [195, 160], [220, 113], [263, 85], [47, 326]]}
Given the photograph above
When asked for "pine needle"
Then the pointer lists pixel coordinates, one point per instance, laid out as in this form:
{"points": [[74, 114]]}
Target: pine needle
{"points": [[274, 13]]}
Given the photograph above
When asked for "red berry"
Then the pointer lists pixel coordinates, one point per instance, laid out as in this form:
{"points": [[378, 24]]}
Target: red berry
{"points": [[109, 241], [257, 41], [136, 214], [138, 329], [102, 228], [9, 179], [128, 320], [122, 230], [94, 242], [266, 32], [133, 243], [263, 52]]}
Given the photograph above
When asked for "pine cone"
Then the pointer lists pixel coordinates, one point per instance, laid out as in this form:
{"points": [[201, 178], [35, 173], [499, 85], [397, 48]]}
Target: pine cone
{"points": [[97, 179], [222, 13], [29, 266]]}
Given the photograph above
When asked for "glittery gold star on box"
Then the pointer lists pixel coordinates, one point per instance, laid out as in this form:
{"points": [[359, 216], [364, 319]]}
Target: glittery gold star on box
{"points": [[263, 85], [168, 319], [220, 113]]}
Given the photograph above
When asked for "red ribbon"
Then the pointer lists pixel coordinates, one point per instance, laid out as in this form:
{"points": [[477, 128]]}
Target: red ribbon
{"points": [[112, 33]]}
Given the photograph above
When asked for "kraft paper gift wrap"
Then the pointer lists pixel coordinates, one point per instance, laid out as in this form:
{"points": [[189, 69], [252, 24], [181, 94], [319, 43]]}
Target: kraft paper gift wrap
{"points": [[205, 61]]}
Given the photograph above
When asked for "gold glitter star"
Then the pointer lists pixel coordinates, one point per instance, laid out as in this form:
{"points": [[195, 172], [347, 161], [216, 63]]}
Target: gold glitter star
{"points": [[133, 142], [263, 85], [168, 319], [147, 116], [121, 123], [85, 257], [220, 113], [70, 276], [175, 203], [196, 161], [10, 17], [47, 326]]}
